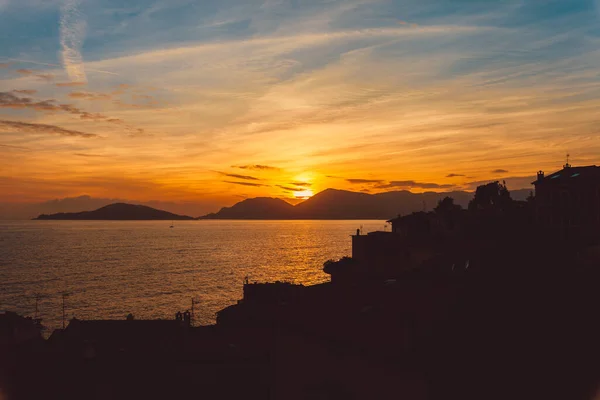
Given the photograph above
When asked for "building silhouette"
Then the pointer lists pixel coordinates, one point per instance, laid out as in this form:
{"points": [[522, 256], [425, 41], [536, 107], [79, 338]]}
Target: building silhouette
{"points": [[567, 202]]}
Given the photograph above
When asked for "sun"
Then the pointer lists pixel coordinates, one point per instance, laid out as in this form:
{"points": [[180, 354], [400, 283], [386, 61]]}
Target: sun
{"points": [[303, 194]]}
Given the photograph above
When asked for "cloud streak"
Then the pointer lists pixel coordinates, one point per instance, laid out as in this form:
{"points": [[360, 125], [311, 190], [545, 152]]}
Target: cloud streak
{"points": [[32, 72], [9, 100], [89, 155], [413, 184], [245, 177], [10, 146], [72, 33], [246, 183], [301, 184], [46, 77], [25, 91], [257, 167], [89, 96], [290, 189], [16, 126], [360, 181], [70, 84]]}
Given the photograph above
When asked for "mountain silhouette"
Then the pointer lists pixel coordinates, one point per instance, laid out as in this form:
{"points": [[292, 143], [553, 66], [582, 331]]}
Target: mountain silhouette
{"points": [[343, 204], [117, 211], [256, 208]]}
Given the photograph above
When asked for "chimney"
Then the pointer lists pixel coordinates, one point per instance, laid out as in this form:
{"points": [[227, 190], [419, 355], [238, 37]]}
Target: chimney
{"points": [[540, 175]]}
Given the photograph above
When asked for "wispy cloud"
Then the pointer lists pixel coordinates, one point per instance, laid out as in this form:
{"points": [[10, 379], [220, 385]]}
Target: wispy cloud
{"points": [[413, 184], [89, 96], [25, 91], [72, 33], [512, 182], [70, 84], [16, 126], [33, 72], [9, 100], [360, 181], [46, 77], [10, 146], [89, 155], [499, 171], [256, 167], [301, 184], [246, 183], [454, 175], [19, 60], [289, 188], [246, 177]]}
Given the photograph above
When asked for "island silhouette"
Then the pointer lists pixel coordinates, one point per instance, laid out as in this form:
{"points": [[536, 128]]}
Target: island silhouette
{"points": [[117, 211]]}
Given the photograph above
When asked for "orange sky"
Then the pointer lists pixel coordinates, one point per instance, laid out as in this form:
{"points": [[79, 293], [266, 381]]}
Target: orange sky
{"points": [[285, 107]]}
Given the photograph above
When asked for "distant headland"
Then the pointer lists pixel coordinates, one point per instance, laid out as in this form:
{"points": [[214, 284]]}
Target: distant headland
{"points": [[117, 211]]}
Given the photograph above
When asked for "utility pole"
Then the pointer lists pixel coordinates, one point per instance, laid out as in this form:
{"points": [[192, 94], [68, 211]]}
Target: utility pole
{"points": [[194, 301], [64, 295], [37, 297]]}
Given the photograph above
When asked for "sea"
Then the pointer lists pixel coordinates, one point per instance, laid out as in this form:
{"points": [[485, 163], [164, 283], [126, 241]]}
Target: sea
{"points": [[109, 269]]}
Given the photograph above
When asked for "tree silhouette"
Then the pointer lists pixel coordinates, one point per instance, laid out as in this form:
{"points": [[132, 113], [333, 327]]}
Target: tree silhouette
{"points": [[447, 206], [491, 196]]}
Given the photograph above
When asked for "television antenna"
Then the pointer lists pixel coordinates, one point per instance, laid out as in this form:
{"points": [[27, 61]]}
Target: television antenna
{"points": [[195, 300], [64, 296], [37, 298]]}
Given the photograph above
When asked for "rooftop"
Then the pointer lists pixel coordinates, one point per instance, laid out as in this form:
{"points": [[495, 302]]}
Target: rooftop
{"points": [[568, 172]]}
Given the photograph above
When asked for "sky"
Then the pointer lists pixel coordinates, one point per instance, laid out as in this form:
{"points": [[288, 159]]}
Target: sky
{"points": [[209, 102]]}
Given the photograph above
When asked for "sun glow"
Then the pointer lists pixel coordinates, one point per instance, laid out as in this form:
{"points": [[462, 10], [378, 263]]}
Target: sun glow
{"points": [[303, 194]]}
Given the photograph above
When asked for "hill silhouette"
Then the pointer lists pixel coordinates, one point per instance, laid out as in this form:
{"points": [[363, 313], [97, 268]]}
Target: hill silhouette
{"points": [[256, 208], [343, 204], [117, 211]]}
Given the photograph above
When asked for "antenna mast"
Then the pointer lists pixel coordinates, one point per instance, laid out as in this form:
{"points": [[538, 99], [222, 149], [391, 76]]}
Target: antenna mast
{"points": [[193, 317], [37, 297], [64, 295]]}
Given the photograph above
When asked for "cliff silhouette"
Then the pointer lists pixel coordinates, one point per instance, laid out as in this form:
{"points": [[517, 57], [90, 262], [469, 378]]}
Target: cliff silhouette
{"points": [[117, 211]]}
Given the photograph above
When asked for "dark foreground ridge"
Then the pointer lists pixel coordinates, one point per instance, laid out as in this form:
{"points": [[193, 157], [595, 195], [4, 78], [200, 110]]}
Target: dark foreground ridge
{"points": [[118, 211]]}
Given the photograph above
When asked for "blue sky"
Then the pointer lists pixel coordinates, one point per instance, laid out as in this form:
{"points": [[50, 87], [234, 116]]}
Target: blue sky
{"points": [[157, 100]]}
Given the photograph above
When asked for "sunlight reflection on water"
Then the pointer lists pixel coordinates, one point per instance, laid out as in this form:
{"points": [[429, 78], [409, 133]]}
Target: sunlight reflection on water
{"points": [[112, 268]]}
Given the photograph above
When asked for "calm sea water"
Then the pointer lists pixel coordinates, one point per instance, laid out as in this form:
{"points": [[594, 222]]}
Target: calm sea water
{"points": [[112, 268]]}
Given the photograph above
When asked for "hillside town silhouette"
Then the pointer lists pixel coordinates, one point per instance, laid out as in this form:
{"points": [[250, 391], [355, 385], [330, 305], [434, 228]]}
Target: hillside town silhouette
{"points": [[495, 301]]}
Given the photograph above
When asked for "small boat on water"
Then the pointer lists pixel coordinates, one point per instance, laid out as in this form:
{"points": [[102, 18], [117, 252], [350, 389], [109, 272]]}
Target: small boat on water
{"points": [[172, 226]]}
